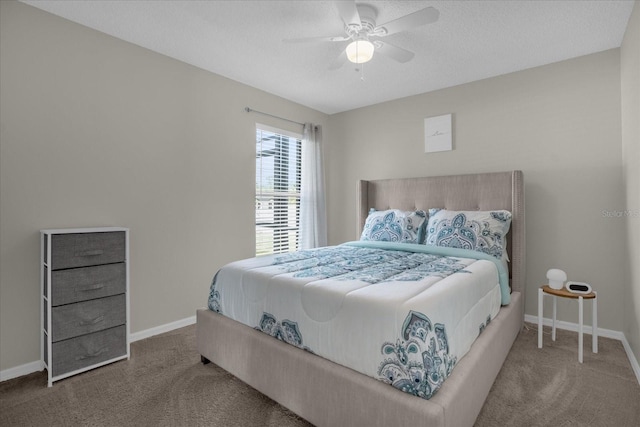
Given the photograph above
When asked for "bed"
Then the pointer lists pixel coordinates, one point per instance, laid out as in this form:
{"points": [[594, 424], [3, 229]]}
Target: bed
{"points": [[328, 394]]}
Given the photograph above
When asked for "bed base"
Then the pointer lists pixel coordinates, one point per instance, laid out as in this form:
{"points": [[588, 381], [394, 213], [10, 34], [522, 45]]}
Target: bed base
{"points": [[327, 394]]}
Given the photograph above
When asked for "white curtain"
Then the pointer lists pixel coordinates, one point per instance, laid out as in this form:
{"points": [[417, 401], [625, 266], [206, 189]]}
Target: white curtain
{"points": [[313, 217]]}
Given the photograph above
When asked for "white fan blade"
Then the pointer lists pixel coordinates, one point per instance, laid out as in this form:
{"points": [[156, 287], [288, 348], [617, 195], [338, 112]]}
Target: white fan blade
{"points": [[348, 12], [394, 52], [339, 61], [407, 22], [317, 39]]}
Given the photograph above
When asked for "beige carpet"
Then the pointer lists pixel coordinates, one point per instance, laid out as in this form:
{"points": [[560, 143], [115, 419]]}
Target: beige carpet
{"points": [[164, 384]]}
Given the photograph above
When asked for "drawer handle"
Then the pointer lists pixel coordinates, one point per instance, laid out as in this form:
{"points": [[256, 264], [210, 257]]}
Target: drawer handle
{"points": [[92, 321], [94, 252], [93, 354], [92, 288]]}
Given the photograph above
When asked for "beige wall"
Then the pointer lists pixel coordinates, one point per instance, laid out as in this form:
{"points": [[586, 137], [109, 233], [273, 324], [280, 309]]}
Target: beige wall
{"points": [[96, 131], [558, 123], [630, 88]]}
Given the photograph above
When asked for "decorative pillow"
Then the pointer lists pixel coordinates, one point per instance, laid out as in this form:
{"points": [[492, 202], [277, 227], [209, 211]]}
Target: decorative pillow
{"points": [[394, 225], [482, 231]]}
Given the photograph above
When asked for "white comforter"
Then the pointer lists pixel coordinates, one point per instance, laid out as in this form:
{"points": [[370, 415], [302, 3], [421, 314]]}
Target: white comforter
{"points": [[394, 312]]}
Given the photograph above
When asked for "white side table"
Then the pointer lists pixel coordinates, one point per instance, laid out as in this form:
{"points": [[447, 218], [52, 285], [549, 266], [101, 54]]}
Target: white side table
{"points": [[564, 293]]}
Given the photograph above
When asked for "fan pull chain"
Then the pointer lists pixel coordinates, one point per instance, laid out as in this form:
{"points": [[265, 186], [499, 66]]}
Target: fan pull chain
{"points": [[361, 69], [361, 64]]}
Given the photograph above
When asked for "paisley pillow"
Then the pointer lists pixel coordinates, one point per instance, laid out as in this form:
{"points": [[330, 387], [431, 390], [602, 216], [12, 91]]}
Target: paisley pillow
{"points": [[394, 225], [483, 231]]}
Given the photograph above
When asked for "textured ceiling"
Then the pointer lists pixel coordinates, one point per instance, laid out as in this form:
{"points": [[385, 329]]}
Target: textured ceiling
{"points": [[242, 40]]}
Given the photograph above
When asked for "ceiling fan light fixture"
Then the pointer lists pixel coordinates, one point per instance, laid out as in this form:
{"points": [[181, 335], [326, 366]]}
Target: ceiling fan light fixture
{"points": [[360, 51]]}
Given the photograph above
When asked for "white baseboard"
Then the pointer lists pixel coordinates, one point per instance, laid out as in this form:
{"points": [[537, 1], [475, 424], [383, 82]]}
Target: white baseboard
{"points": [[36, 366], [606, 333], [632, 358], [569, 326], [21, 370], [137, 336]]}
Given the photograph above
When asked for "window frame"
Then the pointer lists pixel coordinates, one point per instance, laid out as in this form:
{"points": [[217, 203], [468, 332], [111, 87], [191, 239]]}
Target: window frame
{"points": [[285, 235]]}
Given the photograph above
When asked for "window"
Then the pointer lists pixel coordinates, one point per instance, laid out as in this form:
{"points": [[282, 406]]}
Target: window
{"points": [[278, 176]]}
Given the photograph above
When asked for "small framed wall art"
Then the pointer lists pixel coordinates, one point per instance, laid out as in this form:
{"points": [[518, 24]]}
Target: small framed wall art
{"points": [[438, 134]]}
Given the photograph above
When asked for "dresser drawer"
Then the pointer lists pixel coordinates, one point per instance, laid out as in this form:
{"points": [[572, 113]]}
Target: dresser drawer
{"points": [[87, 350], [72, 320], [85, 249], [85, 283]]}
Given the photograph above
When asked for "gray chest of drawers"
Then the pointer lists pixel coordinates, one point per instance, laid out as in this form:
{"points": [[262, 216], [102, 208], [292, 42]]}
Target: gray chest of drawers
{"points": [[84, 275]]}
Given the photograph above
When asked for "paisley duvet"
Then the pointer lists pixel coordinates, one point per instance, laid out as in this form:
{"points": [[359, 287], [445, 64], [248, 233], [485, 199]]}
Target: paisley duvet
{"points": [[401, 313]]}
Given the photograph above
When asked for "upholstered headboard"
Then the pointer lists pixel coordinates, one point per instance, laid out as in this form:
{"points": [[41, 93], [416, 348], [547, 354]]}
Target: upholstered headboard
{"points": [[485, 191]]}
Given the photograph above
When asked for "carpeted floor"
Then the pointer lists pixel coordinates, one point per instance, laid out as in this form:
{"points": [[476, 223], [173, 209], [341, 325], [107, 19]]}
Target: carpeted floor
{"points": [[164, 384]]}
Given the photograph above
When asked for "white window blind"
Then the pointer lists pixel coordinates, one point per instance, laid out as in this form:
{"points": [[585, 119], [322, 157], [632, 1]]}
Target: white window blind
{"points": [[278, 176]]}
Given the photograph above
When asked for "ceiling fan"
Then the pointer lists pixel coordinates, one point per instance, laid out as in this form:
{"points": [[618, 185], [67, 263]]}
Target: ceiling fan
{"points": [[366, 37]]}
